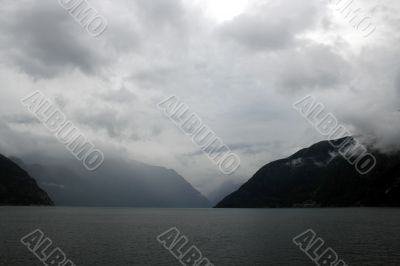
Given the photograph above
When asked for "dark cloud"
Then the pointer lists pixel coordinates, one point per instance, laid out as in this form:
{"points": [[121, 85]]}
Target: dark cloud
{"points": [[43, 40]]}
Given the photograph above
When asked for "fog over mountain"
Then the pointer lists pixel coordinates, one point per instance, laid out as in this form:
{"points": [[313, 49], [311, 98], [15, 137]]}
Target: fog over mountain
{"points": [[220, 192], [117, 183], [240, 67]]}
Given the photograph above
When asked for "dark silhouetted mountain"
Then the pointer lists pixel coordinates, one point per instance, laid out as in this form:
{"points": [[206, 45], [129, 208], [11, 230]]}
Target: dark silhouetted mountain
{"points": [[18, 188], [117, 183], [319, 176]]}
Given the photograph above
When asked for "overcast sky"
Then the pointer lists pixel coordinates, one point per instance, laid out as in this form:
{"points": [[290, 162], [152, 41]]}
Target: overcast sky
{"points": [[240, 65]]}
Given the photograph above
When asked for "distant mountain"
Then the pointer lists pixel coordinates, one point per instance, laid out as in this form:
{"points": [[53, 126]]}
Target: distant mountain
{"points": [[319, 176], [117, 183], [18, 188]]}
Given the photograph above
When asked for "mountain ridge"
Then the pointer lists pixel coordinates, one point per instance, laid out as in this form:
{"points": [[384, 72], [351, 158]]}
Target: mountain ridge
{"points": [[118, 183], [18, 188], [319, 176]]}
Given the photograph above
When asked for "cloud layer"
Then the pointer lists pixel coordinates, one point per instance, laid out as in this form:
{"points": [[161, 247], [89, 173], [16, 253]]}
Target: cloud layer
{"points": [[240, 74]]}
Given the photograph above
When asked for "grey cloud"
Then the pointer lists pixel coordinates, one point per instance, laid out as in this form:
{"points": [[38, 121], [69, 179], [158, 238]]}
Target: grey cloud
{"points": [[254, 148], [41, 39], [157, 75], [26, 119], [252, 33], [118, 124], [243, 148], [273, 25], [107, 119], [14, 142], [241, 77], [161, 13], [123, 95], [313, 66], [61, 101]]}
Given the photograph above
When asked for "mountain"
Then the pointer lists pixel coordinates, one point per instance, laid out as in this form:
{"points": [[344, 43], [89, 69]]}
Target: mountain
{"points": [[17, 187], [319, 176], [117, 183]]}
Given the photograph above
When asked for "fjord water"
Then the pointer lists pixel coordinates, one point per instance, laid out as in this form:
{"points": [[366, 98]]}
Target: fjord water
{"points": [[228, 237]]}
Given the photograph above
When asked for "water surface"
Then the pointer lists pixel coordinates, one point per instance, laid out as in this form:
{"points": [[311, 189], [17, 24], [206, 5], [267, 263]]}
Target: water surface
{"points": [[228, 237]]}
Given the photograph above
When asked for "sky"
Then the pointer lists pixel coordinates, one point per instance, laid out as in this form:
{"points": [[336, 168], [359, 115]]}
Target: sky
{"points": [[240, 65]]}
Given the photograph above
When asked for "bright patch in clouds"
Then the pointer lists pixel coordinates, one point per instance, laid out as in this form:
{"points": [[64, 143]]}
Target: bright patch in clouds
{"points": [[223, 10]]}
